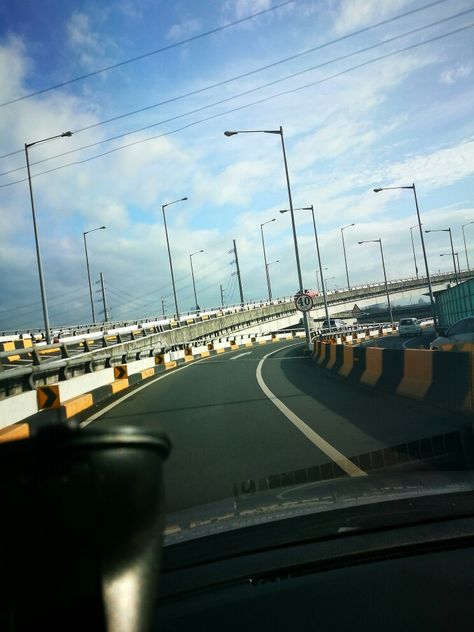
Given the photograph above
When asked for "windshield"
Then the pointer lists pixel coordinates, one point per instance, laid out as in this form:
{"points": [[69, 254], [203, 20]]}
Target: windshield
{"points": [[219, 218]]}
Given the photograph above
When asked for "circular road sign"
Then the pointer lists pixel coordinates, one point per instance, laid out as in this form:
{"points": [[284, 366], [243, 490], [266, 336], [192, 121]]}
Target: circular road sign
{"points": [[304, 303]]}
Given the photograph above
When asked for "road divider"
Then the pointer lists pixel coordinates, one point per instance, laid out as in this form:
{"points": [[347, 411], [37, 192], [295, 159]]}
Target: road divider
{"points": [[441, 379]]}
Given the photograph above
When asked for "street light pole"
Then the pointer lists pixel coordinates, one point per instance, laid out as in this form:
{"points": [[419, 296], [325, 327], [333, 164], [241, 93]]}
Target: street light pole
{"points": [[88, 269], [464, 239], [35, 229], [379, 241], [344, 249], [448, 254], [163, 206], [326, 283], [447, 230], [192, 274], [317, 279], [325, 299], [413, 248], [265, 258], [430, 289], [454, 258], [268, 277], [311, 208], [290, 200]]}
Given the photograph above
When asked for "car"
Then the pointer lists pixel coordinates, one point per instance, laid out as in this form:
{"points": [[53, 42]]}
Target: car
{"points": [[311, 293], [461, 332], [409, 327], [334, 323]]}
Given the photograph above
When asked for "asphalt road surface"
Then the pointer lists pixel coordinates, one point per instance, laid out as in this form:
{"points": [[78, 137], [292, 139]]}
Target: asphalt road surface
{"points": [[263, 411], [407, 342]]}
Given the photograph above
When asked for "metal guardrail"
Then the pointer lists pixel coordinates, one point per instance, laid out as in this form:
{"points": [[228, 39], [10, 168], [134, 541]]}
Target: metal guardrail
{"points": [[44, 364], [169, 318], [25, 368], [329, 334]]}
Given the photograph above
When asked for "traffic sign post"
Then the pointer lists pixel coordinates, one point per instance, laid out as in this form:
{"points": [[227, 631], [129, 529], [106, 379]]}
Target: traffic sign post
{"points": [[304, 303]]}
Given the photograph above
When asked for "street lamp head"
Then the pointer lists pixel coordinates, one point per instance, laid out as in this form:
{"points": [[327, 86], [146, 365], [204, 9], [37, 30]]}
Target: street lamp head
{"points": [[183, 199], [285, 210], [66, 134], [230, 133], [377, 190], [102, 227]]}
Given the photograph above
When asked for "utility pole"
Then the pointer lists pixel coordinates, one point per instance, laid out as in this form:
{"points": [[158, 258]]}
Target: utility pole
{"points": [[238, 273], [104, 298], [222, 296]]}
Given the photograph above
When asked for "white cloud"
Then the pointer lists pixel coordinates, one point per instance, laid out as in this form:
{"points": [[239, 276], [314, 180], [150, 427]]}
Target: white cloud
{"points": [[354, 14], [452, 75], [238, 9], [184, 29], [91, 47], [14, 65], [436, 169]]}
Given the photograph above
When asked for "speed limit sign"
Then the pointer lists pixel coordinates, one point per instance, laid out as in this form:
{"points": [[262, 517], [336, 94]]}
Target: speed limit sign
{"points": [[304, 303]]}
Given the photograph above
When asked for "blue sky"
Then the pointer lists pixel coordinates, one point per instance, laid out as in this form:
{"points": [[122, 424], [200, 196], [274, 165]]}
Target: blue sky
{"points": [[404, 118]]}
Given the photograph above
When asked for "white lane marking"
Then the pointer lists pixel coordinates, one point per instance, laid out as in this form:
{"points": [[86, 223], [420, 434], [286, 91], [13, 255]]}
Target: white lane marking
{"points": [[101, 412], [404, 344], [343, 462], [240, 355]]}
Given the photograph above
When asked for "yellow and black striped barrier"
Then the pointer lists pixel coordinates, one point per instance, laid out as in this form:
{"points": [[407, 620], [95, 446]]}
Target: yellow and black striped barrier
{"points": [[438, 378]]}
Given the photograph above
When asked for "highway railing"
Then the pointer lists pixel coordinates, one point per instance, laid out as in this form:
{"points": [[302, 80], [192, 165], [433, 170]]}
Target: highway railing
{"points": [[24, 368], [185, 318]]}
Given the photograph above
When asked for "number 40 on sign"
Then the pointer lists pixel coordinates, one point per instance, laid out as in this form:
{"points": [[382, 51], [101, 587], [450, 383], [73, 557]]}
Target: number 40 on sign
{"points": [[304, 303]]}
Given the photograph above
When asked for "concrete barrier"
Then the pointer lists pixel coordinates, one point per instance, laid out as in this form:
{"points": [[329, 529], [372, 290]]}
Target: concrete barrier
{"points": [[323, 358], [442, 379], [336, 360], [417, 373], [373, 366], [347, 361], [17, 408]]}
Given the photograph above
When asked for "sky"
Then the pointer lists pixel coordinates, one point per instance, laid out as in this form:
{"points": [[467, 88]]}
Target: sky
{"points": [[357, 113]]}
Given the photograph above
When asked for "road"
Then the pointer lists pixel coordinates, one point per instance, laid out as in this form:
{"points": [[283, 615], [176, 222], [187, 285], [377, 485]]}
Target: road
{"points": [[225, 429], [396, 342]]}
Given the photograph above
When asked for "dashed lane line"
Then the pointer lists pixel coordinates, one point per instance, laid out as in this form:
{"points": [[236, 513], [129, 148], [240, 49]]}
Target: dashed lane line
{"points": [[241, 355]]}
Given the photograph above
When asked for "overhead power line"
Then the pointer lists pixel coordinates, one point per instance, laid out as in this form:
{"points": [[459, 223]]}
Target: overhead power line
{"points": [[193, 38], [240, 94], [271, 65], [247, 74], [247, 105]]}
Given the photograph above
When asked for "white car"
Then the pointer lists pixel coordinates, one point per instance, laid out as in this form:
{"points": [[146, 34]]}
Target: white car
{"points": [[409, 327], [460, 332]]}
